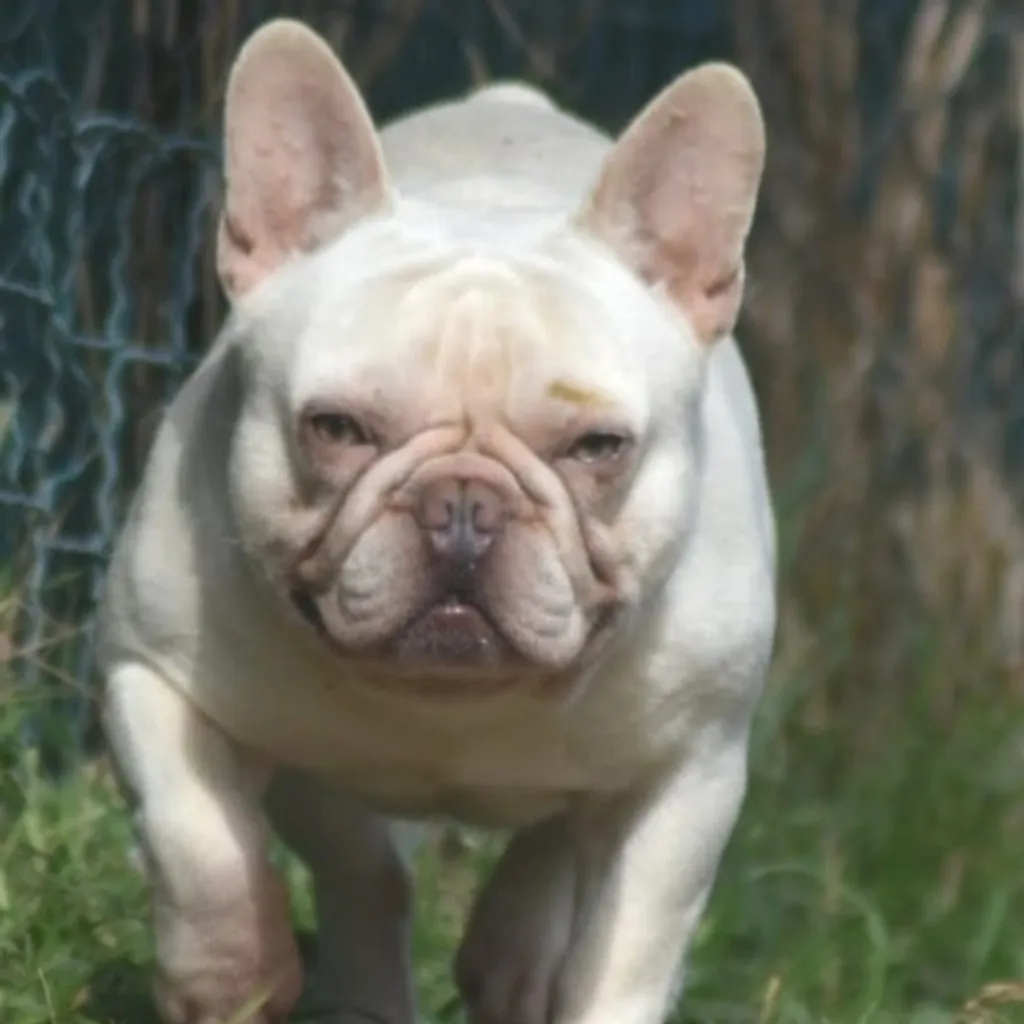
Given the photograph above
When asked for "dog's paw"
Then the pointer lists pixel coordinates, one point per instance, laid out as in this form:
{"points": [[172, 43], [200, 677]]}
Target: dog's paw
{"points": [[518, 989], [234, 955], [509, 964]]}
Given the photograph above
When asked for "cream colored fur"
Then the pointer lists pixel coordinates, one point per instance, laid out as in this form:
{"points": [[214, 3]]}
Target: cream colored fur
{"points": [[482, 282]]}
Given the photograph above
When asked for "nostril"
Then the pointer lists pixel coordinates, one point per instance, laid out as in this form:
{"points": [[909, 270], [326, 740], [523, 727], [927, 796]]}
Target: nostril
{"points": [[437, 514], [460, 518], [485, 517]]}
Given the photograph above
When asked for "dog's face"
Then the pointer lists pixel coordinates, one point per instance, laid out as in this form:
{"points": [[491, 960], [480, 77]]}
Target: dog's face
{"points": [[468, 462], [470, 458]]}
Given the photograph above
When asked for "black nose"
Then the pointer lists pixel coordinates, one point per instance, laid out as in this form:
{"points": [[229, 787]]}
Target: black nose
{"points": [[461, 518]]}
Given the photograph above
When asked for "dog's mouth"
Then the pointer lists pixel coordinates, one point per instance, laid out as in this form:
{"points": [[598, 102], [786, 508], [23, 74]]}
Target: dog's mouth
{"points": [[452, 632]]}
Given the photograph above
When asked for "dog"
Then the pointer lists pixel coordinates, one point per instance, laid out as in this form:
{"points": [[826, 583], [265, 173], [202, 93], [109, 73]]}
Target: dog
{"points": [[464, 516]]}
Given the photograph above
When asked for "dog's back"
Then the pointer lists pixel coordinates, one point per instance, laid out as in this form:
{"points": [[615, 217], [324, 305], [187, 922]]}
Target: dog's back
{"points": [[508, 135]]}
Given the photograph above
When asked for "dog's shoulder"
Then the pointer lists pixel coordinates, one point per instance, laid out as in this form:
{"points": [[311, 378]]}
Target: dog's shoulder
{"points": [[177, 512]]}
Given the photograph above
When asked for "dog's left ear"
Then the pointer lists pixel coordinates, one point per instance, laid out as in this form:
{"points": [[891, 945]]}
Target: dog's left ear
{"points": [[302, 160], [676, 196]]}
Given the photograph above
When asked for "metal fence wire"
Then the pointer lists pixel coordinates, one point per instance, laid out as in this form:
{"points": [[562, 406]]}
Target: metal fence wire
{"points": [[887, 258]]}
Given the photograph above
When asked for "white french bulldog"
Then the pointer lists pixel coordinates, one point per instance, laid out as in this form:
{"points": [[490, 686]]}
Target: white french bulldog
{"points": [[465, 514]]}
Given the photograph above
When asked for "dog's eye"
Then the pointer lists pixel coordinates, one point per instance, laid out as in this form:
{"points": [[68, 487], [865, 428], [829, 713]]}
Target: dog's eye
{"points": [[338, 428], [598, 446]]}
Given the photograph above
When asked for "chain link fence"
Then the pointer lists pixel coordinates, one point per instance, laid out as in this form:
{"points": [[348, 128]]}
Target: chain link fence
{"points": [[883, 321]]}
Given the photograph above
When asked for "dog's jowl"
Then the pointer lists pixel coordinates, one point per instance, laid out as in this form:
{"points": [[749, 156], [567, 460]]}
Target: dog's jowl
{"points": [[463, 515]]}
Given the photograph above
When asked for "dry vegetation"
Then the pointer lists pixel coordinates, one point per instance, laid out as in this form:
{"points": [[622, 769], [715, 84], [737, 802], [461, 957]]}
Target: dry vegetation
{"points": [[886, 321]]}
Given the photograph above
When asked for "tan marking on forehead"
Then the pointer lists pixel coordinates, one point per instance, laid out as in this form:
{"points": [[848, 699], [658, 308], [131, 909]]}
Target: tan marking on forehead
{"points": [[478, 322], [566, 391], [480, 329]]}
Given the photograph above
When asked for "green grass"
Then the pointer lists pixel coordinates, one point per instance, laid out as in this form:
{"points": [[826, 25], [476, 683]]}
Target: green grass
{"points": [[868, 881]]}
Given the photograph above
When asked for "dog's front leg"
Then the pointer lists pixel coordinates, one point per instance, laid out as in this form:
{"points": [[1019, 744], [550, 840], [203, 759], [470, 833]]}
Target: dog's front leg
{"points": [[223, 930], [363, 899], [647, 869], [640, 868]]}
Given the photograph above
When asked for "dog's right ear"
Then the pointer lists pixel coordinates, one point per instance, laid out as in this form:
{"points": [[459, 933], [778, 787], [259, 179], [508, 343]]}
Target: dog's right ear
{"points": [[302, 159], [675, 198]]}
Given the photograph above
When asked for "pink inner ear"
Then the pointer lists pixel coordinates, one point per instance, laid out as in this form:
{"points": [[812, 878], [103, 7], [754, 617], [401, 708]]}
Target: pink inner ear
{"points": [[302, 159], [288, 175], [696, 230], [677, 194]]}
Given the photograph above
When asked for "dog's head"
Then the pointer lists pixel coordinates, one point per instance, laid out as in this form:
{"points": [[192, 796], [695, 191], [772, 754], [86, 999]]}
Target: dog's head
{"points": [[468, 450]]}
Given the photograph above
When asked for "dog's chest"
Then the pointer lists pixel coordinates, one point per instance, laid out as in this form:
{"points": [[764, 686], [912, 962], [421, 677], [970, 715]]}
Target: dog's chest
{"points": [[485, 771], [416, 794], [482, 762], [479, 776]]}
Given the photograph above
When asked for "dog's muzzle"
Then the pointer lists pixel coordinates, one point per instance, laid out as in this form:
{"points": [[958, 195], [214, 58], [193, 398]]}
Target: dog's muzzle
{"points": [[461, 519]]}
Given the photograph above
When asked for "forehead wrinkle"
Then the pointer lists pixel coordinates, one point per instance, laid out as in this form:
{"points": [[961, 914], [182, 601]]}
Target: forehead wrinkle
{"points": [[465, 352], [486, 341], [476, 322], [482, 332]]}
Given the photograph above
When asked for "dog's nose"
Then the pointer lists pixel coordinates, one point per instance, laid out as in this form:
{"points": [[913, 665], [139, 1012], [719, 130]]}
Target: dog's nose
{"points": [[461, 517]]}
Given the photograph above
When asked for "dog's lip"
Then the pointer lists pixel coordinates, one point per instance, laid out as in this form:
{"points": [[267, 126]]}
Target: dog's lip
{"points": [[451, 631], [470, 628], [474, 679], [488, 666], [456, 612], [480, 659]]}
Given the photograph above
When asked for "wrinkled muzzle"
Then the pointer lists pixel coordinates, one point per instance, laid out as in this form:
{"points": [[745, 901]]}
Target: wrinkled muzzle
{"points": [[450, 560]]}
